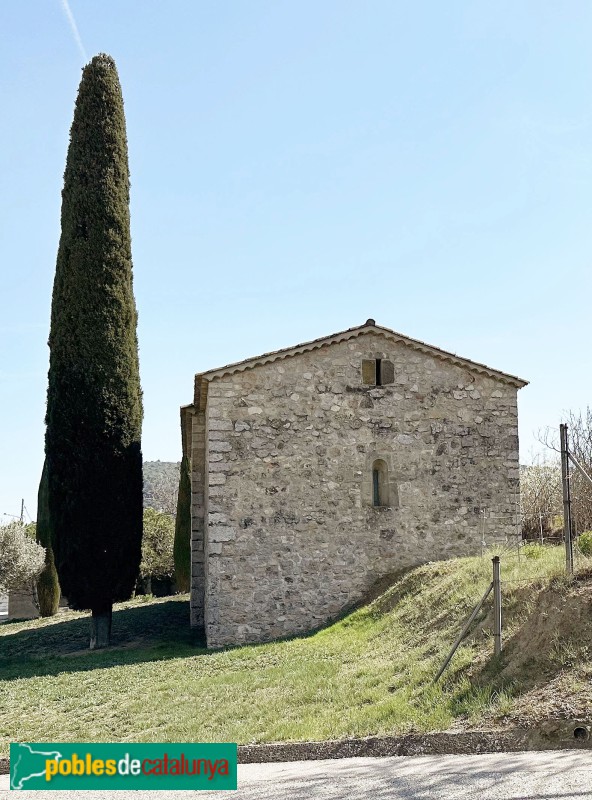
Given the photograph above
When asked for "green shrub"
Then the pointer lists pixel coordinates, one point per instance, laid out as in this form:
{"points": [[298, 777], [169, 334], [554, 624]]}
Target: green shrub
{"points": [[157, 545], [21, 558], [48, 586], [533, 550], [585, 543], [182, 547]]}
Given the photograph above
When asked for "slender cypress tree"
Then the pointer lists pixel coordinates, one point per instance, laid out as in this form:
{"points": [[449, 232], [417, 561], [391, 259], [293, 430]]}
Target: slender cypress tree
{"points": [[48, 586], [182, 543], [94, 402]]}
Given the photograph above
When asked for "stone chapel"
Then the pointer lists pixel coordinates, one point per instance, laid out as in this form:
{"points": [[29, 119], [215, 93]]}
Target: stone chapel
{"points": [[320, 468]]}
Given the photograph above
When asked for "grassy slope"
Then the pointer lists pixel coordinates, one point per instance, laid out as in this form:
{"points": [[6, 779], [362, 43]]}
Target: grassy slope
{"points": [[369, 673]]}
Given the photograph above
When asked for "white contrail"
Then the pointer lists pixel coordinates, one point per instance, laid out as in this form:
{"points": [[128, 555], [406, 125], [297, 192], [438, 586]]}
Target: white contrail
{"points": [[72, 22]]}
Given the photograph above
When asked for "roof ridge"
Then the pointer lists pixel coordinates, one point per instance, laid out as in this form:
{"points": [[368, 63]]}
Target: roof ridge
{"points": [[369, 326]]}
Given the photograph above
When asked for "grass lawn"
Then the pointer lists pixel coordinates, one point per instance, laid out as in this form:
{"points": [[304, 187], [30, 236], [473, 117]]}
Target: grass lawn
{"points": [[369, 673]]}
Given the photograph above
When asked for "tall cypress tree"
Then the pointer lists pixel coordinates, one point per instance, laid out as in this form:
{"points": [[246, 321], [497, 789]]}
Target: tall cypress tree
{"points": [[182, 543], [48, 586], [94, 402]]}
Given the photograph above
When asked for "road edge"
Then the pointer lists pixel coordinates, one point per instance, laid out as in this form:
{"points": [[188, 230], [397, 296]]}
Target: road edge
{"points": [[575, 734]]}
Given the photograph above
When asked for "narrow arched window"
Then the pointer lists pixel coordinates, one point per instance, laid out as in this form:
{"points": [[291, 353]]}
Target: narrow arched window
{"points": [[379, 484], [375, 488]]}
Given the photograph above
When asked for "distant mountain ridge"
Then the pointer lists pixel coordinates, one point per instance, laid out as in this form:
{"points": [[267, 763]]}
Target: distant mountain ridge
{"points": [[161, 484]]}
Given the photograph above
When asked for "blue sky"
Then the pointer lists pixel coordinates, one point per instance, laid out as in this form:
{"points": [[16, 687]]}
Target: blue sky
{"points": [[298, 167]]}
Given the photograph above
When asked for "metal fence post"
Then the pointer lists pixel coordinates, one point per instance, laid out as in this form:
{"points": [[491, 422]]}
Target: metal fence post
{"points": [[497, 607], [566, 499]]}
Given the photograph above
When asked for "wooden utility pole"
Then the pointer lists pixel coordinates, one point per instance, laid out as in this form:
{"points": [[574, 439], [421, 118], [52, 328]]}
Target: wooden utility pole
{"points": [[497, 607], [22, 510], [566, 499]]}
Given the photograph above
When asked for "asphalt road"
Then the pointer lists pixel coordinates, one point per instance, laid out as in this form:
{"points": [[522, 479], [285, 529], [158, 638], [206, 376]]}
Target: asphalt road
{"points": [[565, 775]]}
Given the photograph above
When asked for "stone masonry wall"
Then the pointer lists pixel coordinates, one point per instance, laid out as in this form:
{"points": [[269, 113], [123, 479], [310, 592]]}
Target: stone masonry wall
{"points": [[198, 512], [292, 535]]}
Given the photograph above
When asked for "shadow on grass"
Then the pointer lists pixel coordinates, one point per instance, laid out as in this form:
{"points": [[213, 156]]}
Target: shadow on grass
{"points": [[150, 632], [141, 633]]}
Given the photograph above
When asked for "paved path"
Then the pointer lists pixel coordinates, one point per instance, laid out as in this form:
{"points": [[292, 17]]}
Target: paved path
{"points": [[554, 775]]}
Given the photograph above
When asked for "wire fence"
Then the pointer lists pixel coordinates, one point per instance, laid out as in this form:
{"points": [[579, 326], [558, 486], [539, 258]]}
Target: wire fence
{"points": [[524, 566]]}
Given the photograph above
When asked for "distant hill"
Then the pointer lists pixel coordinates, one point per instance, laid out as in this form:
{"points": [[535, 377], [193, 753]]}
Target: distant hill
{"points": [[161, 483]]}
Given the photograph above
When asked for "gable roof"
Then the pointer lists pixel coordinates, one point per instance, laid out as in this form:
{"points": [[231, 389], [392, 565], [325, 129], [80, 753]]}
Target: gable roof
{"points": [[369, 326]]}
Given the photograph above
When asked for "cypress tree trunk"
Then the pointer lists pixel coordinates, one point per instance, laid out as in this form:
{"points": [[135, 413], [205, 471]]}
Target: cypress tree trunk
{"points": [[48, 587], [94, 405], [100, 627], [182, 544]]}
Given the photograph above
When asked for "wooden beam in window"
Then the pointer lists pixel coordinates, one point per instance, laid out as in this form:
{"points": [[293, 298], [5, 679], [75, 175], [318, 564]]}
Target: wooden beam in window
{"points": [[387, 372], [369, 371]]}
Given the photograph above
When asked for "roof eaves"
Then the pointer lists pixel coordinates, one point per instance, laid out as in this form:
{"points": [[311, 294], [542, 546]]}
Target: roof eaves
{"points": [[351, 333]]}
